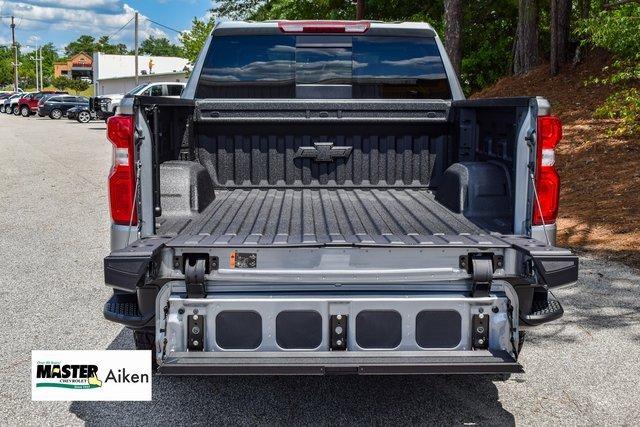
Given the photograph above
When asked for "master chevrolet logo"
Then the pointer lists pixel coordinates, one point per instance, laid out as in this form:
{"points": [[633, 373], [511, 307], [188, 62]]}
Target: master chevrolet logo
{"points": [[90, 375], [67, 376], [323, 152]]}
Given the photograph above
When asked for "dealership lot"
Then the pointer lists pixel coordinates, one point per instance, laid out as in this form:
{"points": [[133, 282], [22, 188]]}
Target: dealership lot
{"points": [[54, 222]]}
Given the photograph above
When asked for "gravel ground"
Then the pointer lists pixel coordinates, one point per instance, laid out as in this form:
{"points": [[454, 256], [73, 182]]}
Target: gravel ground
{"points": [[583, 369]]}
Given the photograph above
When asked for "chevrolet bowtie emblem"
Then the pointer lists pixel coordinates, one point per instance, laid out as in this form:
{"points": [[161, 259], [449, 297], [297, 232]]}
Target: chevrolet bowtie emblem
{"points": [[323, 152]]}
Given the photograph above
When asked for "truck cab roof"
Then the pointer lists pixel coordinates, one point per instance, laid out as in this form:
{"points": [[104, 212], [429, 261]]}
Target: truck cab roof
{"points": [[276, 26]]}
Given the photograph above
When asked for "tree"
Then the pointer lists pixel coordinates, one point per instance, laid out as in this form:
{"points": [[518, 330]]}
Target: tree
{"points": [[194, 39], [103, 46], [616, 29], [160, 46], [78, 85], [452, 31], [61, 82], [526, 55], [236, 9], [360, 9], [560, 19], [89, 45], [83, 43]]}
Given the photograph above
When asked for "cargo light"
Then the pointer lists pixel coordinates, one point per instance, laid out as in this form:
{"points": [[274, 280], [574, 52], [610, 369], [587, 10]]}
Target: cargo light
{"points": [[547, 180], [122, 176], [324, 26]]}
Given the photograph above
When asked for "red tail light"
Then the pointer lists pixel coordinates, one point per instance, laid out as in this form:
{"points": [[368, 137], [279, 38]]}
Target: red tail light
{"points": [[122, 176], [547, 178], [324, 26]]}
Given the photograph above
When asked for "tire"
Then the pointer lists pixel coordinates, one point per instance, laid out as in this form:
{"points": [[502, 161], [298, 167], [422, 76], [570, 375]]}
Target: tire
{"points": [[16, 110], [1, 108], [24, 112], [146, 341], [84, 117], [55, 114]]}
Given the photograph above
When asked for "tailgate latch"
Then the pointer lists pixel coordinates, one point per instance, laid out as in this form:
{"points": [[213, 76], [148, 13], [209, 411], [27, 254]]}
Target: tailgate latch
{"points": [[481, 275], [194, 271]]}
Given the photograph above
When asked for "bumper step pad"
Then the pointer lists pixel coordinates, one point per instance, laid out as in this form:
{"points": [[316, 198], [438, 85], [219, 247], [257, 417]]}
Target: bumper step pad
{"points": [[544, 310], [123, 308]]}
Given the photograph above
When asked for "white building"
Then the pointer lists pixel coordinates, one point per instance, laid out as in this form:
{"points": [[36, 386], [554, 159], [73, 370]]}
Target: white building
{"points": [[116, 73]]}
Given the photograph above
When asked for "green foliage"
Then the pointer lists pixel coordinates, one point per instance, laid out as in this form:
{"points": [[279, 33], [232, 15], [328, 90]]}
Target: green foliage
{"points": [[27, 69], [61, 82], [625, 106], [194, 39], [83, 43], [487, 40], [235, 9], [617, 31], [388, 10], [6, 67], [103, 46], [160, 46], [77, 85], [89, 45]]}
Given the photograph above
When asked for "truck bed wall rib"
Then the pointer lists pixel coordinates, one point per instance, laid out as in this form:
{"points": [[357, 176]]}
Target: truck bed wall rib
{"points": [[266, 156]]}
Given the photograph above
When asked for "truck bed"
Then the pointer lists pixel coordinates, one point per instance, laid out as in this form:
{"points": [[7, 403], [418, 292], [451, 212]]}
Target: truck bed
{"points": [[293, 217]]}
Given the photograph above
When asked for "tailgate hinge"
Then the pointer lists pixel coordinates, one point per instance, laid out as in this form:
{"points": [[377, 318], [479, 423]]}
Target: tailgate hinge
{"points": [[194, 271], [481, 275]]}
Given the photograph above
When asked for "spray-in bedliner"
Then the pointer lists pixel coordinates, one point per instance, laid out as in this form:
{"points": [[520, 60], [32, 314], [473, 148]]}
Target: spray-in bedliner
{"points": [[245, 217]]}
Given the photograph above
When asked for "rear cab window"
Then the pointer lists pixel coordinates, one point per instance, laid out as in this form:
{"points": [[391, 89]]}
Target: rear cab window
{"points": [[323, 66]]}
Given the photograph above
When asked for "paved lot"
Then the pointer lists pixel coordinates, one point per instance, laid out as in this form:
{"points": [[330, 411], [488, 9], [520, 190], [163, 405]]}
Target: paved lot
{"points": [[584, 369]]}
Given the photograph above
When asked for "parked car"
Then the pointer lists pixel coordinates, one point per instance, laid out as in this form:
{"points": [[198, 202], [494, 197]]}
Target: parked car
{"points": [[11, 104], [41, 102], [322, 199], [5, 97], [81, 113], [106, 105], [28, 104], [57, 106]]}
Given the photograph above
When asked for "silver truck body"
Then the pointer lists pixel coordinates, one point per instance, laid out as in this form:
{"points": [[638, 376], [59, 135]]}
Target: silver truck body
{"points": [[436, 303]]}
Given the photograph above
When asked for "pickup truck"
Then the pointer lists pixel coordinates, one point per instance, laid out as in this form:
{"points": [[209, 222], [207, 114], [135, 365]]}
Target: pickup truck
{"points": [[106, 106], [323, 200]]}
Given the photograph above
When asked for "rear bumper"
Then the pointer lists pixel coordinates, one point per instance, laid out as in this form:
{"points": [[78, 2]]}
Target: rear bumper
{"points": [[337, 281], [341, 363]]}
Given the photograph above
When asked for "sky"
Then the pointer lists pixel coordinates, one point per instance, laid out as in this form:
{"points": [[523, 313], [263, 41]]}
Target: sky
{"points": [[62, 21]]}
